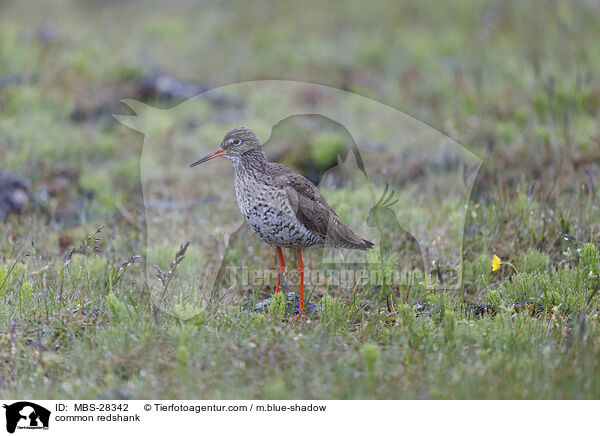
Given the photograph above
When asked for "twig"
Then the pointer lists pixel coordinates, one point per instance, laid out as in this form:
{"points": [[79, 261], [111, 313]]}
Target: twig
{"points": [[165, 277]]}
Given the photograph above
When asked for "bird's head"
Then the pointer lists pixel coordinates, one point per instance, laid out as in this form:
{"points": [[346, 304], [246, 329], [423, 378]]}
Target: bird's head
{"points": [[236, 142]]}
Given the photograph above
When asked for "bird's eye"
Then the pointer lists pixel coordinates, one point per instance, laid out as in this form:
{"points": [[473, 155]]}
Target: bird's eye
{"points": [[236, 141]]}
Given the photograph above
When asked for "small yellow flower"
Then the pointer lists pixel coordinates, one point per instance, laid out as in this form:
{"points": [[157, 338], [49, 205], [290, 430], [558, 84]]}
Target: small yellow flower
{"points": [[496, 262]]}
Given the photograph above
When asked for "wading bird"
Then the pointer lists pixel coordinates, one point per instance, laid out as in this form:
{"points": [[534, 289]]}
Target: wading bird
{"points": [[282, 207]]}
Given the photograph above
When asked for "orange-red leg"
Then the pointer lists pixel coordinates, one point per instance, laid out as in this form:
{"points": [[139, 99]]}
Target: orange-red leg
{"points": [[280, 270], [301, 280]]}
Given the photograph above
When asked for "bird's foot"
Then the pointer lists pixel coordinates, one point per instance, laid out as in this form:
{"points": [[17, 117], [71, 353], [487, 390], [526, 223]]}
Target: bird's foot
{"points": [[297, 318], [294, 318]]}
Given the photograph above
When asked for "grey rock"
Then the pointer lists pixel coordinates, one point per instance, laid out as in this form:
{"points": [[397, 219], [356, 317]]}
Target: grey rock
{"points": [[14, 194], [293, 307]]}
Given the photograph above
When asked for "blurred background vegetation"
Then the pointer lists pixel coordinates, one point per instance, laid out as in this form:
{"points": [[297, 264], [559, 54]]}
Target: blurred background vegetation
{"points": [[515, 82]]}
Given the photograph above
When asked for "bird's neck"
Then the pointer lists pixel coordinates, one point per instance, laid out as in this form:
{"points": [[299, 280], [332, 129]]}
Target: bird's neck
{"points": [[251, 161]]}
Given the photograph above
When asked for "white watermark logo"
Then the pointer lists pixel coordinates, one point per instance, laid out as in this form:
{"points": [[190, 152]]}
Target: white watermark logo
{"points": [[394, 180]]}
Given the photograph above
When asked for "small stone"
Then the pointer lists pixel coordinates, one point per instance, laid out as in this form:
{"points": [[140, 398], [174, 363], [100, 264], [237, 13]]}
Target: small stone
{"points": [[14, 194], [293, 307]]}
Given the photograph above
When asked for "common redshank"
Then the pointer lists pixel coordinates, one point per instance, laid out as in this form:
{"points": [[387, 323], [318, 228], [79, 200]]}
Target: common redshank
{"points": [[282, 207]]}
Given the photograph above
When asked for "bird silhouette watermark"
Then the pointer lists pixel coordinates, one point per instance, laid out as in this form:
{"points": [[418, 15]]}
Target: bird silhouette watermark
{"points": [[384, 188]]}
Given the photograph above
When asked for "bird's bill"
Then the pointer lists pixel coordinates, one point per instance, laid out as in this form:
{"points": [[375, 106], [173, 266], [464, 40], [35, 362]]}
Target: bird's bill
{"points": [[218, 153]]}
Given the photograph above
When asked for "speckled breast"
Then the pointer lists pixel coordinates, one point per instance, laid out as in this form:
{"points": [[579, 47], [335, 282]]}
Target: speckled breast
{"points": [[269, 214]]}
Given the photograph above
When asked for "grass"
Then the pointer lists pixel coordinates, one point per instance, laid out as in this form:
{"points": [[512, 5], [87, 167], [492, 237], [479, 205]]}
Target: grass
{"points": [[514, 82]]}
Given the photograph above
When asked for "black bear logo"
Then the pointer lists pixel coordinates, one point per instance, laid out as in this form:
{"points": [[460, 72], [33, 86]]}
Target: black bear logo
{"points": [[30, 413]]}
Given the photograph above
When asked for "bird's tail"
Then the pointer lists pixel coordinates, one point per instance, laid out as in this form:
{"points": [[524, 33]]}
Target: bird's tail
{"points": [[354, 245], [344, 237], [366, 245]]}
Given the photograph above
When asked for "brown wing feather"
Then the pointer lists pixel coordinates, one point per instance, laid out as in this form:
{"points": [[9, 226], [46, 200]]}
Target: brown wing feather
{"points": [[313, 211]]}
